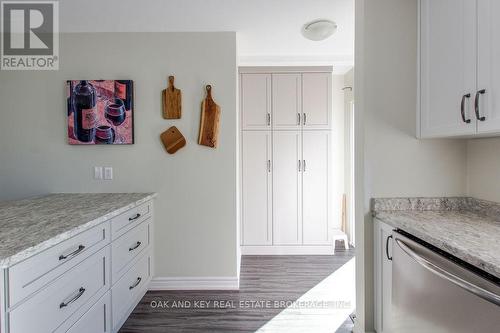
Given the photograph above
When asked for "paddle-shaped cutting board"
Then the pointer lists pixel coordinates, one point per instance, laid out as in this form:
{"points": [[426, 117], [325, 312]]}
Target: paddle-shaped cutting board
{"points": [[209, 124], [172, 101]]}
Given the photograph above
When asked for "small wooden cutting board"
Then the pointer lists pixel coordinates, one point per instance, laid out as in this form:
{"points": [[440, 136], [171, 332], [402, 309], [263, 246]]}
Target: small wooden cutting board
{"points": [[173, 140], [172, 101], [209, 124]]}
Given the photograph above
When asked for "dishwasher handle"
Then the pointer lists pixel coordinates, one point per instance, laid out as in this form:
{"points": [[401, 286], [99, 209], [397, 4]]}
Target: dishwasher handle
{"points": [[435, 269]]}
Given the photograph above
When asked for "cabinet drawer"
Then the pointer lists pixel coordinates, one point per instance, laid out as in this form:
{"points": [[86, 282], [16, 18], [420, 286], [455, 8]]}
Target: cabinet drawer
{"points": [[49, 308], [127, 247], [126, 221], [33, 273], [129, 289], [95, 320]]}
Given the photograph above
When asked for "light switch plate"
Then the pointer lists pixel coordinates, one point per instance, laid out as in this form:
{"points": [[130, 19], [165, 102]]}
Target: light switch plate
{"points": [[97, 172], [108, 173]]}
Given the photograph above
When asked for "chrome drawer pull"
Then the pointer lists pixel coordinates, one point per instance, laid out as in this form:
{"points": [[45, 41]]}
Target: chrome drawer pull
{"points": [[135, 246], [72, 254], [135, 217], [135, 284], [77, 296]]}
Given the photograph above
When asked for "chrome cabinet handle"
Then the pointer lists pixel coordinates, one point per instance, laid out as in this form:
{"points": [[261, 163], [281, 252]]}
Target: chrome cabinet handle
{"points": [[139, 279], [304, 118], [298, 118], [300, 167], [135, 217], [387, 247], [304, 165], [476, 105], [268, 165], [435, 269], [268, 119], [135, 246], [77, 296], [462, 108], [72, 254]]}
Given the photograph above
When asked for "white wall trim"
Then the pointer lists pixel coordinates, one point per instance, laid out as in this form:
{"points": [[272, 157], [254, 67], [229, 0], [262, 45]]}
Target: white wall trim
{"points": [[287, 250], [195, 283]]}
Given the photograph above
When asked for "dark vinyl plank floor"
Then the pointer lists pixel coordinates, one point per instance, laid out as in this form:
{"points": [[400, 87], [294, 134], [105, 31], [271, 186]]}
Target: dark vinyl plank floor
{"points": [[268, 284]]}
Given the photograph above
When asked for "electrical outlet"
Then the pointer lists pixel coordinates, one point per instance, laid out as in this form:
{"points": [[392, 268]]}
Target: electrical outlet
{"points": [[108, 173], [97, 172]]}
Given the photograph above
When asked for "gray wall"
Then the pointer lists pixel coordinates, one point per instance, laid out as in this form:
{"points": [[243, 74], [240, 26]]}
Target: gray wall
{"points": [[396, 163], [196, 215], [483, 169]]}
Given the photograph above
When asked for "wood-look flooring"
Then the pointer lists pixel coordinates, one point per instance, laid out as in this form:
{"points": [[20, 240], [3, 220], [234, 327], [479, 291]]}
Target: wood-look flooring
{"points": [[263, 278]]}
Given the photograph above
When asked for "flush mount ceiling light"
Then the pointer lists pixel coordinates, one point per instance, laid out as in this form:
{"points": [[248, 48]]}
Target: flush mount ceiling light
{"points": [[319, 29]]}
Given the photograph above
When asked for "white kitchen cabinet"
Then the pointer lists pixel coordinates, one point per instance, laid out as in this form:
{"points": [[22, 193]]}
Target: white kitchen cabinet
{"points": [[76, 284], [489, 65], [285, 167], [383, 275], [287, 101], [256, 188], [447, 67], [287, 188], [316, 100], [315, 187], [255, 97], [459, 68]]}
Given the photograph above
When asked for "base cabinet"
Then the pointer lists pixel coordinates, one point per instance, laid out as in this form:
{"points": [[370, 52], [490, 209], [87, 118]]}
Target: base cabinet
{"points": [[95, 320], [92, 285], [383, 275]]}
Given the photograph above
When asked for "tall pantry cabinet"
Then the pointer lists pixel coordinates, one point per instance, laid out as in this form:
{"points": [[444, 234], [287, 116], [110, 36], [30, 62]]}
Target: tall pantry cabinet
{"points": [[285, 160]]}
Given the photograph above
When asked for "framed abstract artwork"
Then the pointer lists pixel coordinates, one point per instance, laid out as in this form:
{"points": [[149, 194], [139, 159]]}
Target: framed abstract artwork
{"points": [[100, 112]]}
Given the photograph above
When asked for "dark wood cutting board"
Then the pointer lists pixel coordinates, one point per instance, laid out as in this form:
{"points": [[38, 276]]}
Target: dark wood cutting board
{"points": [[172, 101], [209, 123]]}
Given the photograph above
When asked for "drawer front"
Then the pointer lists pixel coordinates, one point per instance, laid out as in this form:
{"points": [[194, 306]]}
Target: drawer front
{"points": [[34, 273], [127, 247], [129, 289], [126, 221], [95, 320], [49, 308]]}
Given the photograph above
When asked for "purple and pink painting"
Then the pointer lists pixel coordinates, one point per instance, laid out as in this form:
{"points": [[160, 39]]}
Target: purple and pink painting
{"points": [[100, 112]]}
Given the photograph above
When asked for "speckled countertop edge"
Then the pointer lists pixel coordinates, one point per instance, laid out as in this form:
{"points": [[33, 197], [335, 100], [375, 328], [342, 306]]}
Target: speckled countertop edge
{"points": [[465, 227], [40, 247]]}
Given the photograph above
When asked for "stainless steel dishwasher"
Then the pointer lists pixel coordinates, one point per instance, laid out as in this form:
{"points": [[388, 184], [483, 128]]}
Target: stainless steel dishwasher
{"points": [[433, 292]]}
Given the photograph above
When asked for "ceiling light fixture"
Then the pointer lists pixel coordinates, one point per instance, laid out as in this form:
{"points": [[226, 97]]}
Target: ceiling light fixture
{"points": [[319, 29]]}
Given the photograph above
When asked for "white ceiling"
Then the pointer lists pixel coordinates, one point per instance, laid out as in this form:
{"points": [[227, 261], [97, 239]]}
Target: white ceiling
{"points": [[268, 30]]}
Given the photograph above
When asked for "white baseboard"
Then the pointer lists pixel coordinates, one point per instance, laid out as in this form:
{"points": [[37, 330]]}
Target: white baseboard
{"points": [[287, 250], [195, 283]]}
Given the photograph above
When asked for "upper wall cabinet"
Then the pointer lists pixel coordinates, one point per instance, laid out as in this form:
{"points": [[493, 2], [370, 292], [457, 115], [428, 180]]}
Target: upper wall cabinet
{"points": [[255, 95], [459, 68], [489, 65], [316, 100], [287, 101]]}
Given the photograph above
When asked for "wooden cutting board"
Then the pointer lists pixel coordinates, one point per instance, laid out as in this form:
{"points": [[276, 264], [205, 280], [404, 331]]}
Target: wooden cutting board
{"points": [[173, 140], [172, 101], [209, 124]]}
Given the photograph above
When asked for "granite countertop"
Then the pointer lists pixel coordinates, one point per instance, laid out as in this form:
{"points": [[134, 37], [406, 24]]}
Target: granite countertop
{"points": [[32, 225], [467, 228]]}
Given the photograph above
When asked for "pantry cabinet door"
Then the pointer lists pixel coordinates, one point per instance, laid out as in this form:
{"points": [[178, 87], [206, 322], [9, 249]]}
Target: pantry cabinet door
{"points": [[287, 206], [315, 187], [489, 66], [447, 67], [256, 188], [316, 100], [286, 101], [255, 96]]}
